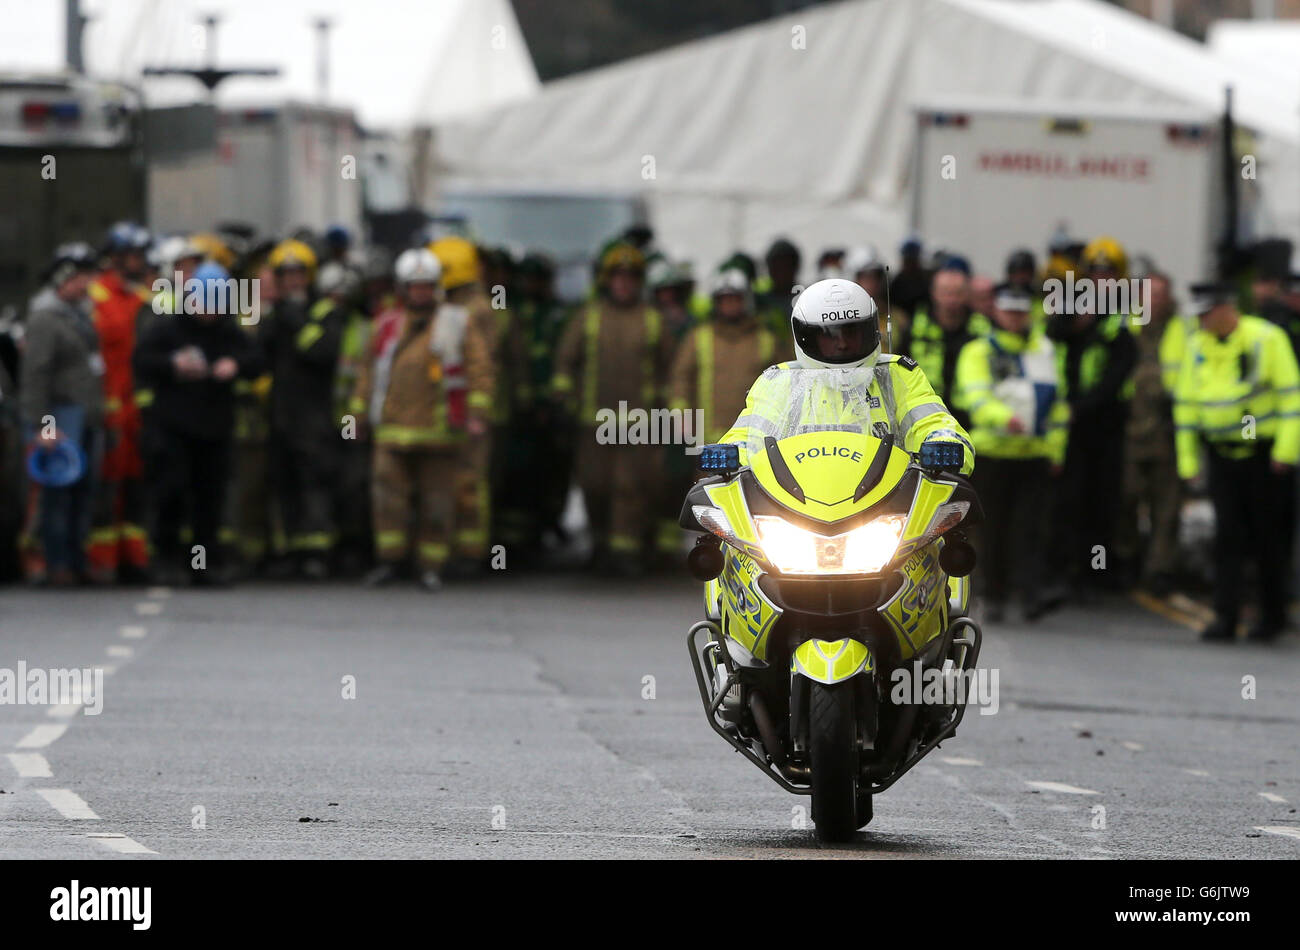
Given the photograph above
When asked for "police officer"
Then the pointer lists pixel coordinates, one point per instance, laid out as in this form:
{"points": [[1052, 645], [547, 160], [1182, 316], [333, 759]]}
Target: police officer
{"points": [[937, 332], [1009, 383], [1238, 395]]}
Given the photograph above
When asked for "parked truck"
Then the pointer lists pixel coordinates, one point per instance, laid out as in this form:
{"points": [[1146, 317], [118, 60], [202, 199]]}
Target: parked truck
{"points": [[990, 177]]}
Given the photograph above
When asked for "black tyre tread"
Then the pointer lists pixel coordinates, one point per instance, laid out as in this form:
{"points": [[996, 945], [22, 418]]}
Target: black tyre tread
{"points": [[832, 738]]}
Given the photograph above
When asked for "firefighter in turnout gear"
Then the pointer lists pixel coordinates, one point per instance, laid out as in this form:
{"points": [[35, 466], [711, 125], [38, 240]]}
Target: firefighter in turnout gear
{"points": [[462, 273], [840, 378], [717, 361], [934, 336], [300, 339], [1008, 382], [427, 394], [118, 542], [613, 358], [1238, 398]]}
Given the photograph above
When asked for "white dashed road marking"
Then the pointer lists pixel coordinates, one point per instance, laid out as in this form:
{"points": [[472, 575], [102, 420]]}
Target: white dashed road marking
{"points": [[64, 710], [1270, 797], [1132, 746], [1285, 831], [133, 632], [1062, 788], [959, 760], [42, 736], [120, 843], [148, 608], [117, 649], [67, 803], [158, 593], [30, 764]]}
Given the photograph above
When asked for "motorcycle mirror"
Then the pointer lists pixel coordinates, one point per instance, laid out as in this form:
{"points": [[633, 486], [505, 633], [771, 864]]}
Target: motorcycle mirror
{"points": [[957, 558], [705, 560]]}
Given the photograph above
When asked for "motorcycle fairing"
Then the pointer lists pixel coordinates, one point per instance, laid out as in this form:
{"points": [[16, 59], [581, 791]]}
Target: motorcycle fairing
{"points": [[822, 464], [749, 614], [831, 661], [916, 612]]}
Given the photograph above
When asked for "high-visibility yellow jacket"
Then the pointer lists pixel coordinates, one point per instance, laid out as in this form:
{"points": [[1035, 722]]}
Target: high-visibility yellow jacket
{"points": [[893, 397], [1006, 376], [926, 341], [1236, 392], [1173, 347]]}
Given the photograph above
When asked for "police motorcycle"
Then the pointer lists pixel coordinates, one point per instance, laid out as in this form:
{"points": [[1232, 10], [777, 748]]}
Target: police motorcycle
{"points": [[830, 561]]}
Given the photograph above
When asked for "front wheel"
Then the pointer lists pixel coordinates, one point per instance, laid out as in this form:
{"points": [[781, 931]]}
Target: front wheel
{"points": [[833, 754]]}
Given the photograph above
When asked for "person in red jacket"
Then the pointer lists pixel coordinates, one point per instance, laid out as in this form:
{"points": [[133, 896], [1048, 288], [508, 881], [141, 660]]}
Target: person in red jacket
{"points": [[118, 547]]}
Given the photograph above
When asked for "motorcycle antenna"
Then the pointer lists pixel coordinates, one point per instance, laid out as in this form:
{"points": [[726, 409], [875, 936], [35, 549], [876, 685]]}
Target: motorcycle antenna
{"points": [[889, 323]]}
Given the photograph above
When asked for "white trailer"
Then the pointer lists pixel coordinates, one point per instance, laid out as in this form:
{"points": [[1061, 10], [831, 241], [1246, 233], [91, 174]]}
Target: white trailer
{"points": [[275, 168], [990, 177]]}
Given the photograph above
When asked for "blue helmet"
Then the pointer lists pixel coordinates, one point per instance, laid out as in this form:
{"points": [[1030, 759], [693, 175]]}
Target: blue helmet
{"points": [[212, 278], [338, 236], [127, 236]]}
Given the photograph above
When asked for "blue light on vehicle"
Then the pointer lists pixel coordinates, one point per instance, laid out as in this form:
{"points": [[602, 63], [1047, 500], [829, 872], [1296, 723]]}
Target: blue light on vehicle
{"points": [[722, 457], [947, 456]]}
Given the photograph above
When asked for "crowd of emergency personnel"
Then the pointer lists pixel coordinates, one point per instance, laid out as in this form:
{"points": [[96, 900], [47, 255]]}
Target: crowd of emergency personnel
{"points": [[424, 417]]}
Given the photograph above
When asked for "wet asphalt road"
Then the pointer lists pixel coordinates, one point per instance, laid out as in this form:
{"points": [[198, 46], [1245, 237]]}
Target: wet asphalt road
{"points": [[513, 717]]}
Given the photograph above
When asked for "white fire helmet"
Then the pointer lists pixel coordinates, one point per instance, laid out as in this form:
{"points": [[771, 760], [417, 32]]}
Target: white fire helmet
{"points": [[417, 264], [836, 326]]}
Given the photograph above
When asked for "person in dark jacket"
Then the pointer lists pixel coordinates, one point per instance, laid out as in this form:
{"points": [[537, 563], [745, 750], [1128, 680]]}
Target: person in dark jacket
{"points": [[190, 360], [61, 397], [301, 339]]}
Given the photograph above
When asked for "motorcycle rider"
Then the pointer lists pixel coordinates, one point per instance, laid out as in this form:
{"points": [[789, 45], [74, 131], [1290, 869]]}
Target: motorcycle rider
{"points": [[841, 379]]}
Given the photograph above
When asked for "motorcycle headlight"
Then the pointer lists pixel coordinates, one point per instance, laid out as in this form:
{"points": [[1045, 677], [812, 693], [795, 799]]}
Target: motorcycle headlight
{"points": [[864, 550]]}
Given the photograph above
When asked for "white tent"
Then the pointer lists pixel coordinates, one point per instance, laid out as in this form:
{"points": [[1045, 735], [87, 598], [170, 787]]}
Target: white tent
{"points": [[396, 63], [803, 125]]}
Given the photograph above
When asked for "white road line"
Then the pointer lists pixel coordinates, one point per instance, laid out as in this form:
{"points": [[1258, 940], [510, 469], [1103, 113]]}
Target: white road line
{"points": [[64, 710], [959, 760], [117, 649], [1132, 746], [120, 843], [158, 593], [1285, 831], [108, 669], [68, 803], [42, 736], [1270, 797], [133, 632], [1062, 788], [1200, 773], [30, 764], [148, 608]]}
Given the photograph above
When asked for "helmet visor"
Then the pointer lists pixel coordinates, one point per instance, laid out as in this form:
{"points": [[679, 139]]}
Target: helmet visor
{"points": [[840, 343]]}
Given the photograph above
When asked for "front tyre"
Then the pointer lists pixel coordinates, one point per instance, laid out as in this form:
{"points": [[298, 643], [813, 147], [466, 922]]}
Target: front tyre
{"points": [[833, 754]]}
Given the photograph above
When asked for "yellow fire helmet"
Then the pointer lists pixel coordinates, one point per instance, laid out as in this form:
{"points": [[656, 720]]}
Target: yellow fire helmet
{"points": [[214, 249], [459, 260], [1106, 252], [291, 252], [621, 255]]}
